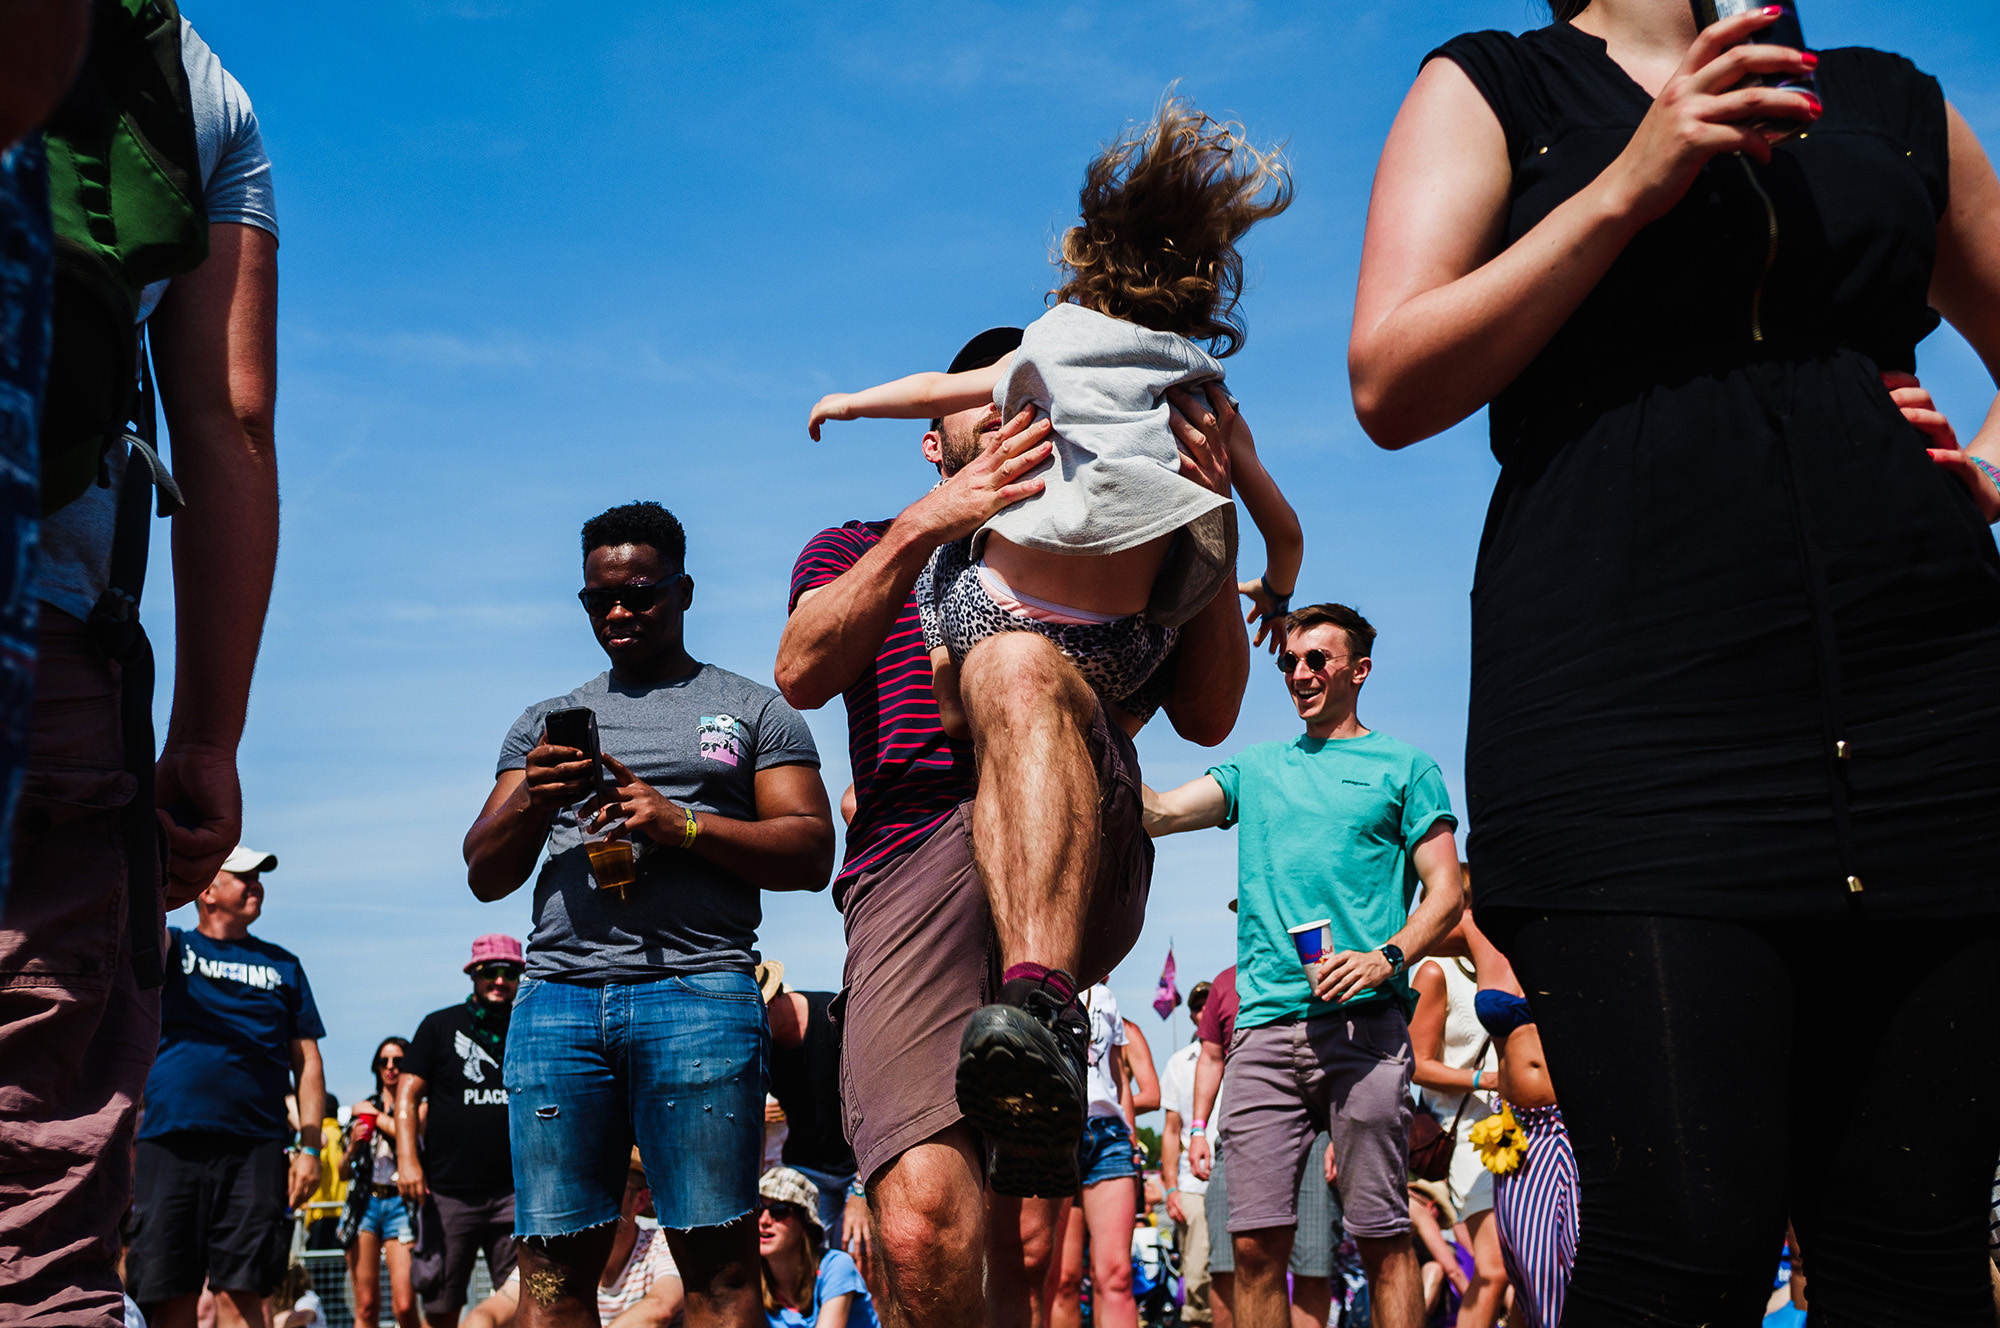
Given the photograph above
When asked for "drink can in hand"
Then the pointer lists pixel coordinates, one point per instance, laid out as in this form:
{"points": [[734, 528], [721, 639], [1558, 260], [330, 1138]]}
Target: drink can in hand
{"points": [[1314, 941]]}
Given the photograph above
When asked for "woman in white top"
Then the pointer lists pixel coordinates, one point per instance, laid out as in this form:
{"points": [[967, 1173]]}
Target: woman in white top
{"points": [[1456, 1067]]}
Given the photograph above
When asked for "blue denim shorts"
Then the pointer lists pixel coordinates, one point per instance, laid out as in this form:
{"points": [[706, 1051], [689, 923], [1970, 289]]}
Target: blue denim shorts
{"points": [[676, 1066], [387, 1218], [1106, 1153]]}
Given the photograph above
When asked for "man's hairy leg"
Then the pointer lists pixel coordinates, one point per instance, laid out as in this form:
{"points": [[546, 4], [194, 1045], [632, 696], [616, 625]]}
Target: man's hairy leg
{"points": [[720, 1269], [1262, 1256], [559, 1278], [1035, 817], [928, 1211], [1395, 1282]]}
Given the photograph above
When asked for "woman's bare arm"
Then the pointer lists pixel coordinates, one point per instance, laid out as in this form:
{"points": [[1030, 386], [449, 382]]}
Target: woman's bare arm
{"points": [[1965, 288], [1427, 1034], [1444, 317]]}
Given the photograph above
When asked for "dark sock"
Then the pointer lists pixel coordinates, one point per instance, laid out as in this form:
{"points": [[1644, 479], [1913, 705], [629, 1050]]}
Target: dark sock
{"points": [[1020, 979]]}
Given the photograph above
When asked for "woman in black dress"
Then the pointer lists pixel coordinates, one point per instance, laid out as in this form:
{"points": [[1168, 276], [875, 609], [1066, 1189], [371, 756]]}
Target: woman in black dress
{"points": [[1733, 763]]}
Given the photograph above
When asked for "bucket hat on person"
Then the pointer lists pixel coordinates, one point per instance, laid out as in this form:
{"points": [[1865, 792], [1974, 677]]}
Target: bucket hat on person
{"points": [[246, 861], [495, 948], [787, 1186], [770, 978]]}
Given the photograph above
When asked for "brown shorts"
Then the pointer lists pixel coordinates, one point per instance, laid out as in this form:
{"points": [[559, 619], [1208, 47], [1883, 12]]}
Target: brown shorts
{"points": [[77, 1035], [922, 956], [1347, 1073]]}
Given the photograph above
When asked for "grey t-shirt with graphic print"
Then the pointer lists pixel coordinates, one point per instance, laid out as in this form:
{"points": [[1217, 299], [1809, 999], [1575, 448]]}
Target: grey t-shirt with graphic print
{"points": [[701, 742]]}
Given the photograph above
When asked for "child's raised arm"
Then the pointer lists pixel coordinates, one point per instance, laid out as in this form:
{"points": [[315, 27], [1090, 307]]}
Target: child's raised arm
{"points": [[1284, 538], [921, 396]]}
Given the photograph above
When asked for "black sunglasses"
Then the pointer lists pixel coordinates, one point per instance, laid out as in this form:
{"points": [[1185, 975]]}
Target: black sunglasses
{"points": [[1316, 660], [387, 1062], [780, 1210], [494, 972], [637, 598]]}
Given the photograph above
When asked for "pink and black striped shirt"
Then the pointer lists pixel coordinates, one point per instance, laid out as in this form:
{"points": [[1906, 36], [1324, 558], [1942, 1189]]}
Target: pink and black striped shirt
{"points": [[908, 776]]}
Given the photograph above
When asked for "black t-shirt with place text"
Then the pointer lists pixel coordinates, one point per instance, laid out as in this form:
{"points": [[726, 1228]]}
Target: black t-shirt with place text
{"points": [[806, 1081], [465, 1138]]}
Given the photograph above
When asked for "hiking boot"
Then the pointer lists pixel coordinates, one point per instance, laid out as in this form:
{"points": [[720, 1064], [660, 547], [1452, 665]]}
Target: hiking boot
{"points": [[1020, 1083]]}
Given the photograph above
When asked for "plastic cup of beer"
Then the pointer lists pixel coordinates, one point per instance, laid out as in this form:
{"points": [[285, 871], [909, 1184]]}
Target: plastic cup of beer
{"points": [[1313, 940], [362, 1122], [612, 865]]}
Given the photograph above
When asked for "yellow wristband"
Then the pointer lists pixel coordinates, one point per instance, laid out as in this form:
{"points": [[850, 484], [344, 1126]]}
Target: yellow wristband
{"points": [[691, 830]]}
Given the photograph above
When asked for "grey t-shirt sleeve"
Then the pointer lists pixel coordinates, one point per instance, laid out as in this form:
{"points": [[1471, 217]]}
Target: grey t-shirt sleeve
{"points": [[235, 167], [783, 737]]}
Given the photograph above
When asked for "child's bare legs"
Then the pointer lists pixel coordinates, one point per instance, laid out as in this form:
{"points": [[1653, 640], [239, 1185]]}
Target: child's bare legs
{"points": [[1035, 841]]}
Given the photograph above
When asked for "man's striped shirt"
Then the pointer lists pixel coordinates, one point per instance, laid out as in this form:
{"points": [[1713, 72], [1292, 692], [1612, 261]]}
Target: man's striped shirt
{"points": [[908, 776]]}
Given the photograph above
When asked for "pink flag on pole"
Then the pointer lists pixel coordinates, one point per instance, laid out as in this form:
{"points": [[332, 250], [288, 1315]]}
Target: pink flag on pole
{"points": [[1168, 996]]}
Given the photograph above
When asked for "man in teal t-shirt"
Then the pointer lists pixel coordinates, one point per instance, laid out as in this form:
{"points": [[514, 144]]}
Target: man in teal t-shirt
{"points": [[1342, 824]]}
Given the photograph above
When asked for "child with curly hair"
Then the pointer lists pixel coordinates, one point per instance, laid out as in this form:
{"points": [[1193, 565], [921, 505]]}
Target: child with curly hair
{"points": [[1119, 549]]}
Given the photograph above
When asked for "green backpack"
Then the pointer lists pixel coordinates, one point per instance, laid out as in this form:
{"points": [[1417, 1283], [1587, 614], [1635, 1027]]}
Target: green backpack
{"points": [[125, 194]]}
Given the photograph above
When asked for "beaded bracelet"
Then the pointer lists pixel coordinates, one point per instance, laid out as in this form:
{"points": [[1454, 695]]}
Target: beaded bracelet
{"points": [[1992, 471]]}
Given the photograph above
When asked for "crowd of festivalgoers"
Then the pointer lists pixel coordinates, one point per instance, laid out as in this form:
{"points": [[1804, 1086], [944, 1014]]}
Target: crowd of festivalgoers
{"points": [[1732, 759]]}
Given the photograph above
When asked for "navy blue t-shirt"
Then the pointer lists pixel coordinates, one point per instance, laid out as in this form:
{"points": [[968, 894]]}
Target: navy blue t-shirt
{"points": [[228, 1017]]}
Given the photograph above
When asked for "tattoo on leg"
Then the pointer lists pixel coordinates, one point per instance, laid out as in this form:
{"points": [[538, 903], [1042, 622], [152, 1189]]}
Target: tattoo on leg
{"points": [[547, 1286]]}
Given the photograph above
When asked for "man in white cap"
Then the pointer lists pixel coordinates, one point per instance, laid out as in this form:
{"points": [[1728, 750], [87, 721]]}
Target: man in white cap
{"points": [[456, 1154], [238, 1027]]}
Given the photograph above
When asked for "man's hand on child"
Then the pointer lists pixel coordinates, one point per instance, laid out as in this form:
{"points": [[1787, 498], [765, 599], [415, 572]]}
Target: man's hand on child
{"points": [[990, 482], [832, 406], [1202, 428]]}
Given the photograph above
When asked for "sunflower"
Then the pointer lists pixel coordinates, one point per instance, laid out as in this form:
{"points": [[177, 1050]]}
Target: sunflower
{"points": [[1499, 1141]]}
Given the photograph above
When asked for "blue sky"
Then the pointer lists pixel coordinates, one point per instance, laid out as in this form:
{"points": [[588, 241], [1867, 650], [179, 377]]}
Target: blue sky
{"points": [[539, 259]]}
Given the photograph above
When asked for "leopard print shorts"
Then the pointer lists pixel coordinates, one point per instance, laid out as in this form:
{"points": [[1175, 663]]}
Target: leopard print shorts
{"points": [[1116, 658]]}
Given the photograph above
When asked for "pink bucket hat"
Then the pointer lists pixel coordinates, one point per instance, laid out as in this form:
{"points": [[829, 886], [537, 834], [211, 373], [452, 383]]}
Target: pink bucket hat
{"points": [[495, 947]]}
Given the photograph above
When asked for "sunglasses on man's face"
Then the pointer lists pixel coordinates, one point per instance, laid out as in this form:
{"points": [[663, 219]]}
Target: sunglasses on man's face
{"points": [[780, 1210], [1316, 661], [497, 973], [636, 598]]}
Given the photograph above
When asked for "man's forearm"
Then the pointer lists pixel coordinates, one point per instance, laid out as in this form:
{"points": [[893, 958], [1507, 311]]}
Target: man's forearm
{"points": [[1207, 1080], [1170, 1147], [775, 853], [1214, 667], [502, 846], [1434, 917], [833, 637], [312, 1101], [408, 1093]]}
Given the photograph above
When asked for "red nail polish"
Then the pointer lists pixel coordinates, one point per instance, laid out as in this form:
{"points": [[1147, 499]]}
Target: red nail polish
{"points": [[1813, 103], [1809, 60], [1772, 11]]}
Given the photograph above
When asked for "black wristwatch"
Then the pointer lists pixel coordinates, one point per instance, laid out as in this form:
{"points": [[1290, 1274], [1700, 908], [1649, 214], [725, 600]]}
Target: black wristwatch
{"points": [[1396, 961]]}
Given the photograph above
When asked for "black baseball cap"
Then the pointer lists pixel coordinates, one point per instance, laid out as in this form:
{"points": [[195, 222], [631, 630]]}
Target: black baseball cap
{"points": [[986, 348]]}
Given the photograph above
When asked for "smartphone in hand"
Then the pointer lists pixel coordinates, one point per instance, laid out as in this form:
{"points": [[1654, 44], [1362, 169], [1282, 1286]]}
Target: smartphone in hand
{"points": [[1785, 32], [575, 727]]}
